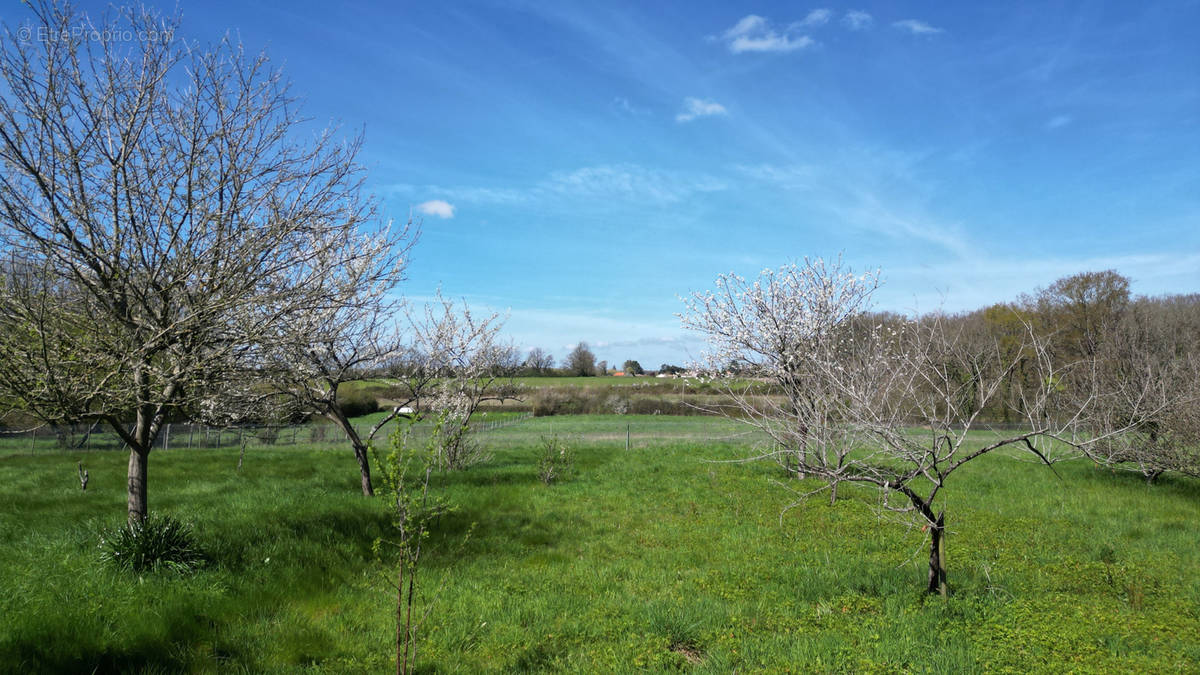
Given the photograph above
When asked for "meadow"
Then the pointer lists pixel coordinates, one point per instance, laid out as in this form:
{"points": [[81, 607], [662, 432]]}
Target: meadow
{"points": [[662, 557]]}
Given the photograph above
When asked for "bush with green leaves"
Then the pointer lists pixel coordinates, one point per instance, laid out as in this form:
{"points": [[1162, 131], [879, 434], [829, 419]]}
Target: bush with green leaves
{"points": [[358, 403], [158, 542]]}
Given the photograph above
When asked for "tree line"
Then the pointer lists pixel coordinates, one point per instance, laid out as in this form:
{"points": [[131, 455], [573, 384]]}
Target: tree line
{"points": [[581, 362]]}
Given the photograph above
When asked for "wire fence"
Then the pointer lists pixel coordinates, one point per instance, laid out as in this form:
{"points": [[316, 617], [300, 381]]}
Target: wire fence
{"points": [[635, 431], [184, 436]]}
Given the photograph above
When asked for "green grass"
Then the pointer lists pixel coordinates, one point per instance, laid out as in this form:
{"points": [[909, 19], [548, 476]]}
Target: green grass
{"points": [[652, 559], [602, 381]]}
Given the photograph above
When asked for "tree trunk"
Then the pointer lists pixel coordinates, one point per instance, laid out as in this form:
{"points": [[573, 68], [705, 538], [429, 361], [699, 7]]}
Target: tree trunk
{"points": [[336, 416], [401, 629], [138, 464], [364, 468], [937, 556]]}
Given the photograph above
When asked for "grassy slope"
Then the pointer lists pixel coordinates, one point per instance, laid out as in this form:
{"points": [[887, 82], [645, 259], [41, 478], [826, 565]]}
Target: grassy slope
{"points": [[647, 559]]}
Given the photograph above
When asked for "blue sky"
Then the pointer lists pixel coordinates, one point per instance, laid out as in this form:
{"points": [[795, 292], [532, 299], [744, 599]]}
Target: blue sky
{"points": [[580, 165]]}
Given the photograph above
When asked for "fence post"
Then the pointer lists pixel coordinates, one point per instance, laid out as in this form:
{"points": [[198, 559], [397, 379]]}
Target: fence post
{"points": [[627, 437], [167, 436]]}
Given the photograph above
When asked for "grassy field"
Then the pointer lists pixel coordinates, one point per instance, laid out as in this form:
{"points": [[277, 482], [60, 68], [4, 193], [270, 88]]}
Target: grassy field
{"points": [[648, 559], [604, 381]]}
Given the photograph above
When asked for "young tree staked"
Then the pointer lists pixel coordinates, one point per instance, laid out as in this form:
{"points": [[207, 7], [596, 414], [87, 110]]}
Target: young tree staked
{"points": [[168, 211]]}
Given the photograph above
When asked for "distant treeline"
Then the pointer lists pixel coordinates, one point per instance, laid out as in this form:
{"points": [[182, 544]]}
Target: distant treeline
{"points": [[1088, 318]]}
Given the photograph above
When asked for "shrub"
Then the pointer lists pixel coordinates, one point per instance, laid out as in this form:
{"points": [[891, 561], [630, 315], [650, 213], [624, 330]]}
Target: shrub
{"points": [[157, 542], [555, 463], [617, 404], [647, 405], [548, 402], [358, 403]]}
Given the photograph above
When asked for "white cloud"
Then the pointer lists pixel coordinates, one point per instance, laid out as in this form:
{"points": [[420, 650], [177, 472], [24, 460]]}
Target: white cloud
{"points": [[857, 19], [628, 182], [698, 107], [917, 27], [817, 17], [457, 194], [751, 23], [437, 207], [753, 33], [1059, 121]]}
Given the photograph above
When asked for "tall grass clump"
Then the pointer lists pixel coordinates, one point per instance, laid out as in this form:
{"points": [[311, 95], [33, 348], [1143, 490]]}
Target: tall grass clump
{"points": [[554, 461], [158, 542]]}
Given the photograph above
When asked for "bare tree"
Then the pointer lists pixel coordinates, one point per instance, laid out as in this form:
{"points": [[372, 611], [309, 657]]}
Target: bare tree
{"points": [[910, 400], [581, 362], [539, 361], [1148, 367], [165, 218], [887, 404]]}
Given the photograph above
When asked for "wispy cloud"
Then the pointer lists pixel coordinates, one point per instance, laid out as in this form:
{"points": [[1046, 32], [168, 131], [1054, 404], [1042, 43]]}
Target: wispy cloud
{"points": [[436, 207], [1059, 121], [457, 194], [857, 19], [855, 194], [668, 341], [916, 27], [753, 33], [699, 107], [628, 182], [787, 177], [614, 182], [817, 17]]}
